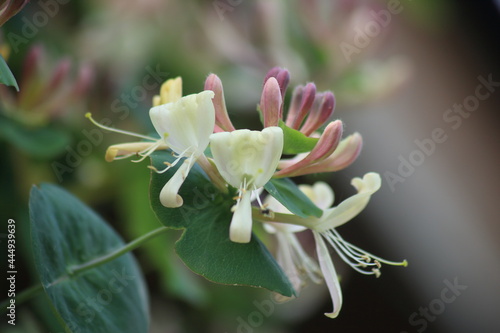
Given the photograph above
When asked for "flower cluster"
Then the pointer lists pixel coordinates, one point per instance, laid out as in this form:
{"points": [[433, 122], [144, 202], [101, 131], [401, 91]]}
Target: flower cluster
{"points": [[247, 160], [46, 92]]}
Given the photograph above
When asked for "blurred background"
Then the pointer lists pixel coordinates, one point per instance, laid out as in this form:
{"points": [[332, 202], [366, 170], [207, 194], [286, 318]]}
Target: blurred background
{"points": [[400, 71]]}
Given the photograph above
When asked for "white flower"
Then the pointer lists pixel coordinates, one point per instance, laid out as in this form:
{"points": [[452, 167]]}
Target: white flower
{"points": [[291, 256], [324, 230], [185, 126], [246, 160]]}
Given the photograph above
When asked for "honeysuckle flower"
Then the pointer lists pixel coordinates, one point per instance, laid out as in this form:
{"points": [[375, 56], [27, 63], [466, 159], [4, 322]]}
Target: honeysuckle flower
{"points": [[184, 125], [246, 160], [291, 256], [170, 91], [325, 233]]}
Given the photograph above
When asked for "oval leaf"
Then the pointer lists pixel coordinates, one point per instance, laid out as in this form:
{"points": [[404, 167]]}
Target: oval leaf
{"points": [[290, 196], [66, 233], [205, 246]]}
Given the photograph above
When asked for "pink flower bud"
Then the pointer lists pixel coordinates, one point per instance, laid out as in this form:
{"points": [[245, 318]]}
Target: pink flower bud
{"points": [[281, 75], [323, 107], [271, 103], [221, 117], [296, 114], [325, 147], [345, 154]]}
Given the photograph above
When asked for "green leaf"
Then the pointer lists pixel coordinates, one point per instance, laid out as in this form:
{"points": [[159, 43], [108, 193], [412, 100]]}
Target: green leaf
{"points": [[290, 196], [66, 233], [296, 142], [41, 142], [175, 279], [6, 76], [205, 246]]}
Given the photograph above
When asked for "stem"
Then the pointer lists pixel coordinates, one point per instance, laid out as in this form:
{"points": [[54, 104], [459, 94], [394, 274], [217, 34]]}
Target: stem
{"points": [[78, 269], [308, 222], [22, 296]]}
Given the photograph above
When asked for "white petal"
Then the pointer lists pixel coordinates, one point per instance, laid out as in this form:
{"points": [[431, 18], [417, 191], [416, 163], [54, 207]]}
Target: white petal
{"points": [[186, 124], [247, 155], [329, 274], [168, 195], [240, 230], [352, 206], [284, 256], [321, 194]]}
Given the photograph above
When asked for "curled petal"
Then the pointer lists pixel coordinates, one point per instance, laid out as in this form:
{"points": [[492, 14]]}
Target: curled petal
{"points": [[320, 193], [221, 117], [329, 274], [240, 230], [169, 196], [271, 103], [352, 206]]}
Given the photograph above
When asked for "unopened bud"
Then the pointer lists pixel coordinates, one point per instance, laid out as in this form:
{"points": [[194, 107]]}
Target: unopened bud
{"points": [[323, 107], [281, 75], [270, 103], [222, 120], [306, 102]]}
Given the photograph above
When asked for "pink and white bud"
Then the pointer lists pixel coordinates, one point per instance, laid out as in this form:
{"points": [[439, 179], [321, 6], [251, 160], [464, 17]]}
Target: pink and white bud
{"points": [[302, 101], [222, 120], [271, 103], [345, 154], [323, 107], [326, 146], [281, 75]]}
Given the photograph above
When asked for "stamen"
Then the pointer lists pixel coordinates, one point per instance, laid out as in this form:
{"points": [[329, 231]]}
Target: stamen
{"points": [[356, 257], [111, 129], [169, 165], [145, 153], [258, 199], [305, 262]]}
